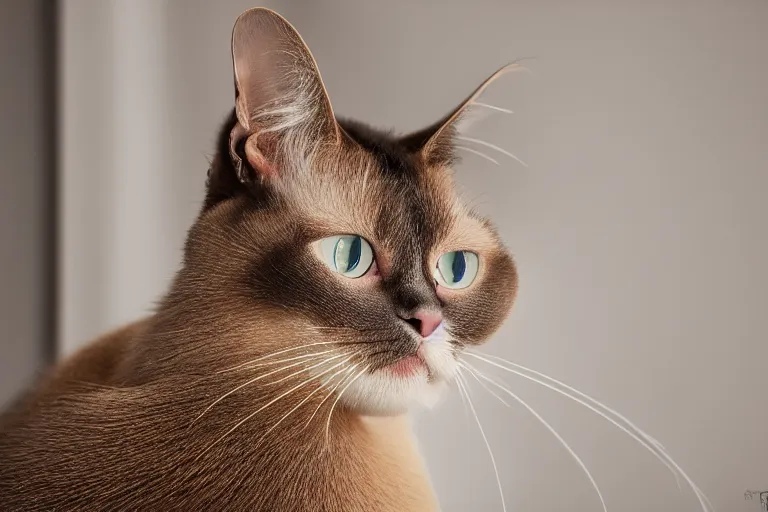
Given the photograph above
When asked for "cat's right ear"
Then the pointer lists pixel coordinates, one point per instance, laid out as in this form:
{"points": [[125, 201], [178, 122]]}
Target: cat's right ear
{"points": [[435, 144], [282, 109]]}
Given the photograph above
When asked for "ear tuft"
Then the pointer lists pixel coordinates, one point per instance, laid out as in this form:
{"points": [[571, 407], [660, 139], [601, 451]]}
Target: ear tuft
{"points": [[435, 143]]}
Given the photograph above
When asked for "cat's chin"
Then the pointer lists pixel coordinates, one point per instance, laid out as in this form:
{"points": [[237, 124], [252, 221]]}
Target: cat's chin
{"points": [[384, 393], [413, 382]]}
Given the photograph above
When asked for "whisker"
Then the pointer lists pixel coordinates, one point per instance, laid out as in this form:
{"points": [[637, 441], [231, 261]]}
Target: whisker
{"points": [[592, 404], [301, 384], [322, 386], [492, 146], [463, 399], [365, 180], [478, 153], [544, 422], [492, 107], [349, 370], [300, 347], [647, 442], [269, 363], [251, 381], [341, 328], [338, 397], [472, 371], [290, 349], [465, 386]]}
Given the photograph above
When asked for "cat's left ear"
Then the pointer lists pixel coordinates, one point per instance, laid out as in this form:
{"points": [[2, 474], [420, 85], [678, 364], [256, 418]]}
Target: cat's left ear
{"points": [[436, 142], [282, 107]]}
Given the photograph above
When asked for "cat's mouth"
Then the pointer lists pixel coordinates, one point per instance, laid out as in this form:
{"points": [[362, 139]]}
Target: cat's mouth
{"points": [[417, 378], [408, 366]]}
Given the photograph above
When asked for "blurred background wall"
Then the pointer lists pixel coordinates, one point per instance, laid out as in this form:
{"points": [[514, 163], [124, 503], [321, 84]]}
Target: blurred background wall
{"points": [[639, 227], [27, 191]]}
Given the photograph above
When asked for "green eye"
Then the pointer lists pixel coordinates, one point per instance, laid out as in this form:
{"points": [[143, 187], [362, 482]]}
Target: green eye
{"points": [[348, 255], [456, 269]]}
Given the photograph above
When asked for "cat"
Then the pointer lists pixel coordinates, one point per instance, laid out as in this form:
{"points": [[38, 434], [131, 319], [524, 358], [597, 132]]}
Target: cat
{"points": [[329, 285]]}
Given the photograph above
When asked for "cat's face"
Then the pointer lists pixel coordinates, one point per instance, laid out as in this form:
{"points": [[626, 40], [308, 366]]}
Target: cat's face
{"points": [[437, 279], [351, 239]]}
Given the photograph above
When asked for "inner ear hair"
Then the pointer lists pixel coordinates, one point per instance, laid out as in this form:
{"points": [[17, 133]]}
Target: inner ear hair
{"points": [[435, 143], [282, 108]]}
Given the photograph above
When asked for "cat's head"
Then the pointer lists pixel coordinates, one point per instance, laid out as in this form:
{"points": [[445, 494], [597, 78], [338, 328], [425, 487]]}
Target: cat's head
{"points": [[323, 236]]}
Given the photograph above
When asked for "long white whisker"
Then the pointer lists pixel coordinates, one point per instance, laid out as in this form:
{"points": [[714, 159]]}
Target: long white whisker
{"points": [[300, 404], [478, 153], [338, 397], [290, 349], [492, 146], [463, 384], [638, 435], [252, 365], [463, 400], [350, 371], [254, 413], [365, 180], [251, 381], [472, 371], [548, 427], [492, 107]]}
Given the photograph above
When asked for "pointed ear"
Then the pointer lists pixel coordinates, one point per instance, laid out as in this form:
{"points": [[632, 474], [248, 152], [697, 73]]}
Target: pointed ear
{"points": [[435, 143], [280, 101]]}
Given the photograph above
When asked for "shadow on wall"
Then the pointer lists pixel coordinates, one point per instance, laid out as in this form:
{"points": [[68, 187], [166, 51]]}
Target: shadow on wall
{"points": [[27, 193]]}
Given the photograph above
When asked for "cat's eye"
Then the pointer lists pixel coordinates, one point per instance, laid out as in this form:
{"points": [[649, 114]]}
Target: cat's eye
{"points": [[349, 255], [456, 269]]}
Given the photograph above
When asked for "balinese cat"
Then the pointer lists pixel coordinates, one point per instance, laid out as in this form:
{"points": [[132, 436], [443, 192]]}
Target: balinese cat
{"points": [[330, 283]]}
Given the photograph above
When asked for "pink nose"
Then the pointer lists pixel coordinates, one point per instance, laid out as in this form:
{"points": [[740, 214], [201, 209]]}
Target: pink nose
{"points": [[425, 321]]}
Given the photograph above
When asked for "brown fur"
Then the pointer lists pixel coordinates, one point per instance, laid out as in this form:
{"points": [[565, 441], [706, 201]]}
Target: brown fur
{"points": [[118, 425]]}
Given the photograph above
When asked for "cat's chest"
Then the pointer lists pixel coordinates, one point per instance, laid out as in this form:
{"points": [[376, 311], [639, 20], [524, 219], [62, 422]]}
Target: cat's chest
{"points": [[399, 464], [374, 467]]}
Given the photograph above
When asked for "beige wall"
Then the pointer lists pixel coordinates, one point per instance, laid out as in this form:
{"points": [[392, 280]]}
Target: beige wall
{"points": [[639, 227]]}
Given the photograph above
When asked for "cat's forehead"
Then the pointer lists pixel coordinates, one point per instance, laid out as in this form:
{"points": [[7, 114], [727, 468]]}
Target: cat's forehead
{"points": [[374, 187], [392, 159]]}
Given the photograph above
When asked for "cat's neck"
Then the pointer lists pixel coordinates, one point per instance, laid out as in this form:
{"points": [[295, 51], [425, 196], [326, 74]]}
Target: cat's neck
{"points": [[204, 446]]}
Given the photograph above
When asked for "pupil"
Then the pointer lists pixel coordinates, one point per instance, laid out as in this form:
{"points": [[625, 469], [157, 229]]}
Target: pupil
{"points": [[459, 266], [354, 254]]}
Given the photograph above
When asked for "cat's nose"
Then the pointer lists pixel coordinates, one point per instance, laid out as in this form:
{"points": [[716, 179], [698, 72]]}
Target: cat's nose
{"points": [[424, 321]]}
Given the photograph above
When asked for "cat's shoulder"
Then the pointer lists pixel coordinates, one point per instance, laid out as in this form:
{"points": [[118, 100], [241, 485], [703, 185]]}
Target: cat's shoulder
{"points": [[98, 362]]}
